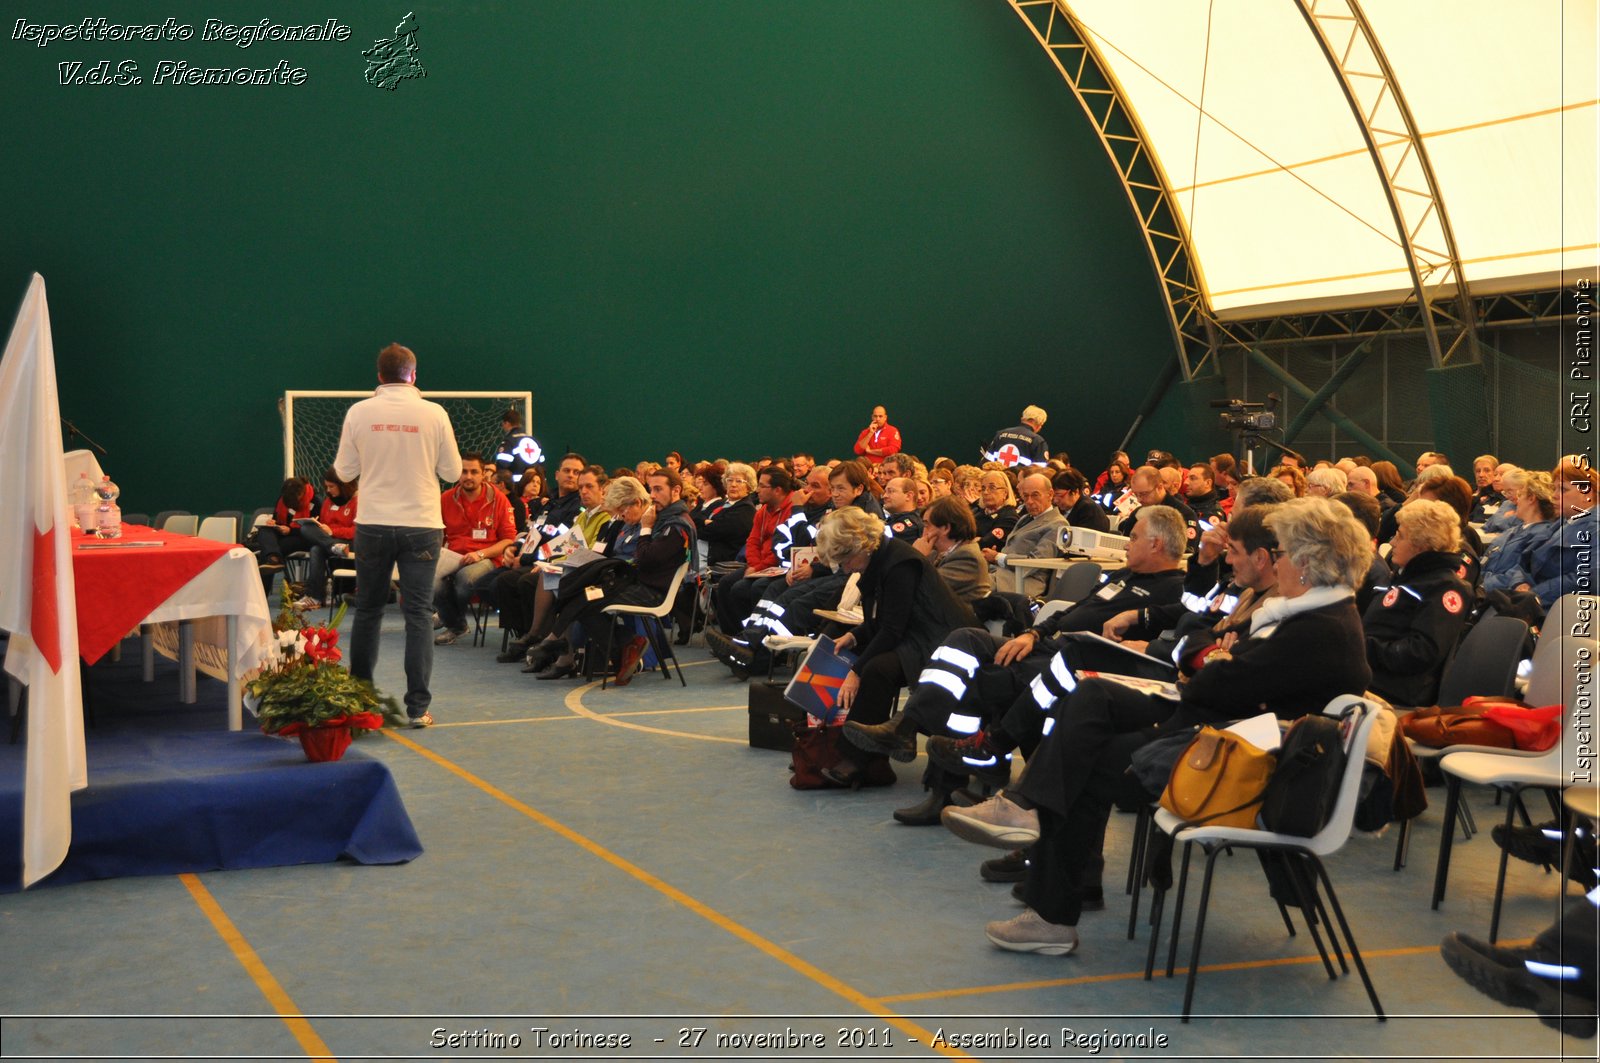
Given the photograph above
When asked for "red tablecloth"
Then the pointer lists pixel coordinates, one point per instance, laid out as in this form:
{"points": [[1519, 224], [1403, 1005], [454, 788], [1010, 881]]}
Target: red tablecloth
{"points": [[120, 586]]}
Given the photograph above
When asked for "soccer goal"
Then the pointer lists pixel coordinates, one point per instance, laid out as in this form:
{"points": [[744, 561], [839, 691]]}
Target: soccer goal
{"points": [[312, 421]]}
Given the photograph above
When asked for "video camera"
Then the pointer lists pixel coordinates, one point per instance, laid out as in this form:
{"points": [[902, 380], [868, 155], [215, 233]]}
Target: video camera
{"points": [[1239, 415]]}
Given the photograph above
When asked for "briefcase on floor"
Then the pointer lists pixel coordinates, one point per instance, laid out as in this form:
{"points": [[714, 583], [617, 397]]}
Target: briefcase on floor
{"points": [[773, 718]]}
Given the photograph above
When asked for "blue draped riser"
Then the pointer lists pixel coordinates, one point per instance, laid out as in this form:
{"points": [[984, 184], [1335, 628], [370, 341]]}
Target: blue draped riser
{"points": [[160, 801]]}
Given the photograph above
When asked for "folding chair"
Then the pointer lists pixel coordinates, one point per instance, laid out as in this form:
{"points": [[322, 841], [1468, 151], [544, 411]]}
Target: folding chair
{"points": [[651, 616], [1307, 851], [1517, 770], [220, 529]]}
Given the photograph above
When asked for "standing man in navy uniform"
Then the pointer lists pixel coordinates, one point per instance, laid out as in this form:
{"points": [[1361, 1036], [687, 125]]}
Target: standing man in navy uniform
{"points": [[1021, 444]]}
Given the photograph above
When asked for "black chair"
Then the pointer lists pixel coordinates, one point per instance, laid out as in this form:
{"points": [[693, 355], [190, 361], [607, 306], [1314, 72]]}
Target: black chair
{"points": [[1484, 665]]}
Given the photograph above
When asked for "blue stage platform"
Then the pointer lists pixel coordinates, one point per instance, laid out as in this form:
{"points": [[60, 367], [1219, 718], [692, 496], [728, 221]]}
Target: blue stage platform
{"points": [[171, 790]]}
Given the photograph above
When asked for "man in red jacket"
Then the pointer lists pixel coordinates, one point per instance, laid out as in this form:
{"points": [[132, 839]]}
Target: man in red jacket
{"points": [[735, 598], [879, 439], [478, 527]]}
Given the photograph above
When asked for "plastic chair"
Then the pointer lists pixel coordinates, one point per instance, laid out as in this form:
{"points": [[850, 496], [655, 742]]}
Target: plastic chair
{"points": [[241, 529], [137, 518], [1074, 584], [651, 616], [166, 515], [182, 524], [220, 529], [1310, 850], [1518, 770]]}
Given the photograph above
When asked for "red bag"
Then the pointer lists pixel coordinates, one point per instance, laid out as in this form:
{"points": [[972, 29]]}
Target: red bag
{"points": [[1442, 728], [816, 748], [1533, 730]]}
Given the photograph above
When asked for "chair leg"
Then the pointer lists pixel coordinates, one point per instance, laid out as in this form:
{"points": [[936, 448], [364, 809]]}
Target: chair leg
{"points": [[1469, 822], [1136, 869], [666, 653], [1177, 907], [1500, 878], [1441, 871], [1349, 938], [1402, 844], [1158, 903], [1308, 911], [1199, 933], [1288, 924]]}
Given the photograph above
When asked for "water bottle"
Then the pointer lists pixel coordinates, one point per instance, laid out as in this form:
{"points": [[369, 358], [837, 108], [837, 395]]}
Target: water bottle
{"points": [[81, 497], [108, 515]]}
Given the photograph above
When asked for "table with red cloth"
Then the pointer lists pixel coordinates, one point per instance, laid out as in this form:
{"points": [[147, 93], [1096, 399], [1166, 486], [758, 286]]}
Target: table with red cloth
{"points": [[121, 585]]}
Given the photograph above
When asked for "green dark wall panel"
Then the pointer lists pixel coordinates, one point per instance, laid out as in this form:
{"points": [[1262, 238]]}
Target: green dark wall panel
{"points": [[720, 227]]}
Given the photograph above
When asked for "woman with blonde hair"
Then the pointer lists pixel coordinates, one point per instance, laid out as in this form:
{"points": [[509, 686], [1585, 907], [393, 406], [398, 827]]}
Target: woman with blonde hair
{"points": [[1533, 496], [1412, 625], [907, 610]]}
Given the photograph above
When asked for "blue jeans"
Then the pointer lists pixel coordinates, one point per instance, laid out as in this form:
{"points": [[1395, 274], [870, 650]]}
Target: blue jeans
{"points": [[453, 593], [379, 548]]}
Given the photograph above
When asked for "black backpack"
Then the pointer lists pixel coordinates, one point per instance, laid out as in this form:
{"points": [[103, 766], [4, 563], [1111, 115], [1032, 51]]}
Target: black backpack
{"points": [[1304, 786]]}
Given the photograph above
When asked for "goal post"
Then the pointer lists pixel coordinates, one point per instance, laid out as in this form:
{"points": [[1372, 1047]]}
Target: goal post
{"points": [[312, 421]]}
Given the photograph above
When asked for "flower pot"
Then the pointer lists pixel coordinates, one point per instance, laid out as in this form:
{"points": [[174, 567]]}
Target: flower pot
{"points": [[325, 743]]}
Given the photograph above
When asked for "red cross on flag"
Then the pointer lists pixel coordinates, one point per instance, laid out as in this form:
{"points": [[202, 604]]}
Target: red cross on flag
{"points": [[37, 602]]}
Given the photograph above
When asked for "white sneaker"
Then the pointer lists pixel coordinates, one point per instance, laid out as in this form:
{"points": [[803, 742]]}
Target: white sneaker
{"points": [[997, 821], [1031, 932]]}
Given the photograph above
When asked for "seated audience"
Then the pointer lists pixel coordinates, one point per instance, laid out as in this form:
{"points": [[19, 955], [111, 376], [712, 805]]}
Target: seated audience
{"points": [[1202, 495], [907, 611], [1303, 649], [478, 529], [949, 540], [281, 536], [1292, 475], [1413, 624], [728, 529], [330, 534], [1564, 564], [1505, 561], [996, 511], [1037, 532], [1072, 498], [1326, 482]]}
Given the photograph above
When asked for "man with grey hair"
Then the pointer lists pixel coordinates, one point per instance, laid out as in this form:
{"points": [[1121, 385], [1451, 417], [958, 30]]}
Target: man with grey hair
{"points": [[974, 676], [1036, 534], [1020, 444]]}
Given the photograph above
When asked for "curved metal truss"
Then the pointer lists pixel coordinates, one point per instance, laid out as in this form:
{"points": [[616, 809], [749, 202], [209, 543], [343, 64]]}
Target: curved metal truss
{"points": [[1439, 286], [1166, 236]]}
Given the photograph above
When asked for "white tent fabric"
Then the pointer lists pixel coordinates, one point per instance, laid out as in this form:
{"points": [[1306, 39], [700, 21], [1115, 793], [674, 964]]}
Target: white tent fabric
{"points": [[1268, 166]]}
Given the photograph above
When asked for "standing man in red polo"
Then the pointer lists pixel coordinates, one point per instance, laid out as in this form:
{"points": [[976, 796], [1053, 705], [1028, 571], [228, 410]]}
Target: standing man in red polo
{"points": [[879, 439], [478, 528], [401, 446]]}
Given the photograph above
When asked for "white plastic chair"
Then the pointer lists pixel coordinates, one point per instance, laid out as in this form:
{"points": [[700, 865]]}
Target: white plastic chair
{"points": [[220, 529], [182, 524], [1517, 770], [652, 615], [1329, 839]]}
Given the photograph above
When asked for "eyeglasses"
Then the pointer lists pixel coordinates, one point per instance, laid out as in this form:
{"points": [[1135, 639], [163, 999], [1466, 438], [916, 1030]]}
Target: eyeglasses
{"points": [[1276, 552]]}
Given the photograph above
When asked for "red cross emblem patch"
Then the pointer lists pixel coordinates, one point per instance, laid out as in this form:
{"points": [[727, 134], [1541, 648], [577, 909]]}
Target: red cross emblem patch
{"points": [[1392, 597], [1452, 601], [1009, 455]]}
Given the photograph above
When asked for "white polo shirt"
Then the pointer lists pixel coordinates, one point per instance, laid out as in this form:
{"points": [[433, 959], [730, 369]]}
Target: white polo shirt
{"points": [[401, 446]]}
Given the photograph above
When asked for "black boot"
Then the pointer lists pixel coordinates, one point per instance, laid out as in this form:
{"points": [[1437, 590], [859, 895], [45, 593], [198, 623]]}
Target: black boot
{"points": [[925, 813]]}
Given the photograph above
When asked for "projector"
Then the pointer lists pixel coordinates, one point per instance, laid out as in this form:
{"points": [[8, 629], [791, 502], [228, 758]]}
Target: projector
{"points": [[1098, 545]]}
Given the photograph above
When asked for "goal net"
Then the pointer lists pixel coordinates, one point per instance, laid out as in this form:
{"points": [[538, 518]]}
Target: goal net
{"points": [[312, 421]]}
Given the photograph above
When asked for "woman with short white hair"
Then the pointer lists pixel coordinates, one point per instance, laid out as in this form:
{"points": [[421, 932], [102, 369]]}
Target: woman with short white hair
{"points": [[1532, 495], [907, 611], [1412, 625]]}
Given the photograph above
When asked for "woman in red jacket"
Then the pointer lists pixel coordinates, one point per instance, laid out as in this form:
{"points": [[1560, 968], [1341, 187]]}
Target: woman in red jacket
{"points": [[280, 537], [330, 534]]}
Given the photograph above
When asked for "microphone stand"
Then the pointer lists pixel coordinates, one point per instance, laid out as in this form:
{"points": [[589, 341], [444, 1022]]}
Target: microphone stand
{"points": [[74, 433]]}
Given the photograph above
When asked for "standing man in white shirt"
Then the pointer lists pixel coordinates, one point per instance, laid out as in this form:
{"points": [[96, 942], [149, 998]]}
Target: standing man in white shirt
{"points": [[401, 446]]}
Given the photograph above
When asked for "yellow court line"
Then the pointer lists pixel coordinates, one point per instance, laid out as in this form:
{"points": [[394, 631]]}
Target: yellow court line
{"points": [[1094, 979], [547, 719], [822, 978], [270, 988], [574, 703]]}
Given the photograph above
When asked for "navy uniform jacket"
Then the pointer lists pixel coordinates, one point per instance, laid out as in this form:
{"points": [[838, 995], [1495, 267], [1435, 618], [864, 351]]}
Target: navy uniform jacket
{"points": [[1565, 562], [1120, 590], [1412, 626], [992, 531], [1031, 447]]}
